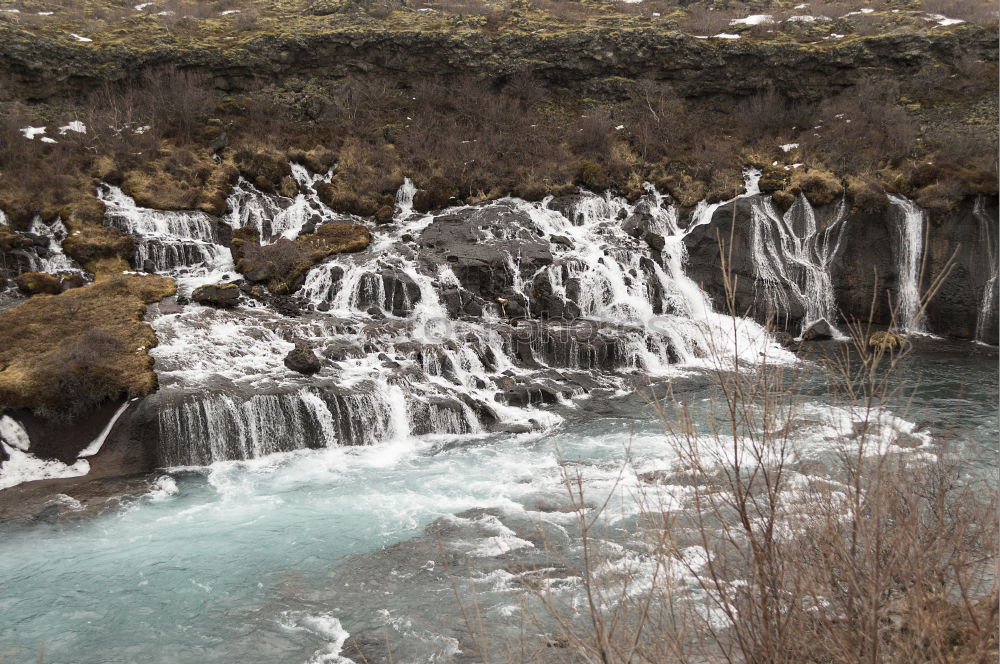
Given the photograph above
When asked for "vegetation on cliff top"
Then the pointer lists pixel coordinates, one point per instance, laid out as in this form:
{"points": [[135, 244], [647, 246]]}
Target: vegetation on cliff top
{"points": [[61, 354], [231, 22]]}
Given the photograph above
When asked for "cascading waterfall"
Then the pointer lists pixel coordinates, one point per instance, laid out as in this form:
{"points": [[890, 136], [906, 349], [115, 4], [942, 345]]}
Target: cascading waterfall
{"points": [[400, 359], [988, 241], [792, 256], [170, 242], [910, 238], [276, 216], [55, 261]]}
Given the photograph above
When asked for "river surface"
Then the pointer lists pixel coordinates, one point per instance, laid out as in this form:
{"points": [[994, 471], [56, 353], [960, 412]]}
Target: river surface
{"points": [[279, 559]]}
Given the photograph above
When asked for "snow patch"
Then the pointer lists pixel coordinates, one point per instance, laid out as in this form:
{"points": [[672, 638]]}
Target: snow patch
{"points": [[75, 125], [79, 38], [31, 132], [753, 19], [23, 467], [788, 147]]}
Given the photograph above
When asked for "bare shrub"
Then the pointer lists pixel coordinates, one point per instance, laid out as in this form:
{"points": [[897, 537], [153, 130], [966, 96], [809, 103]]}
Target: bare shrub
{"points": [[656, 119], [704, 19], [770, 555], [981, 12], [178, 100], [860, 129], [768, 113]]}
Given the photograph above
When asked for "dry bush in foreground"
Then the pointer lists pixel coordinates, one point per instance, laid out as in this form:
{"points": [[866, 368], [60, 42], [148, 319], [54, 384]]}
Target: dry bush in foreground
{"points": [[752, 547]]}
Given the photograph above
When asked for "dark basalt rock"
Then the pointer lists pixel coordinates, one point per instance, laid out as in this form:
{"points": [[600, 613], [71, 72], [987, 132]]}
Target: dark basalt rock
{"points": [[818, 331], [217, 295], [302, 359], [483, 262]]}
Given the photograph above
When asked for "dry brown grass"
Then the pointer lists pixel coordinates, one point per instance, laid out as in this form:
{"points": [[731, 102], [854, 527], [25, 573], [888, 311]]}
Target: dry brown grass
{"points": [[61, 354], [283, 263]]}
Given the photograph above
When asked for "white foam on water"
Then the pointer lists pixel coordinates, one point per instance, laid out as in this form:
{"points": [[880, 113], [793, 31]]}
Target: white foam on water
{"points": [[325, 625], [163, 488]]}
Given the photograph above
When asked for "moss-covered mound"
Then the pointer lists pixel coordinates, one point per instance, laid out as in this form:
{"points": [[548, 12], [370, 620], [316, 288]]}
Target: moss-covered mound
{"points": [[282, 265], [61, 354]]}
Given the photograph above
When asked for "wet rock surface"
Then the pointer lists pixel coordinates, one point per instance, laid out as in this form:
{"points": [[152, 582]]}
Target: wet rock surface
{"points": [[217, 295], [302, 359]]}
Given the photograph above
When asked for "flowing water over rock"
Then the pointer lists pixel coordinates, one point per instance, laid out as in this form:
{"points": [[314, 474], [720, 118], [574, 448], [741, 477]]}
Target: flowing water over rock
{"points": [[467, 358], [988, 240], [909, 253], [792, 256]]}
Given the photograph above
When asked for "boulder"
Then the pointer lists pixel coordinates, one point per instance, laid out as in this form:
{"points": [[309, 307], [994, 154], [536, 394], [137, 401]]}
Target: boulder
{"points": [[217, 295], [302, 359], [884, 339], [818, 331], [33, 283]]}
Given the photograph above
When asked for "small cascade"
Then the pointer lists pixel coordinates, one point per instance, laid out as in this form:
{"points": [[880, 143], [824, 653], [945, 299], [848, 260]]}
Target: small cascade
{"points": [[909, 253], [53, 260], [792, 257], [404, 199], [988, 241], [277, 216], [171, 242]]}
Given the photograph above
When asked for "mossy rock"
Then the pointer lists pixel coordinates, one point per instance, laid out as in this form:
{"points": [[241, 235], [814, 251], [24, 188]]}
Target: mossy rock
{"points": [[866, 194], [33, 283], [265, 169], [63, 354], [88, 244], [820, 187], [774, 178], [217, 295], [317, 160], [437, 193], [885, 340], [593, 176]]}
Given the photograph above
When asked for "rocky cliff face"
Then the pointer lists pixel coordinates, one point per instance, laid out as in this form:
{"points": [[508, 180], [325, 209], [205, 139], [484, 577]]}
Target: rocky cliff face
{"points": [[587, 59], [864, 263]]}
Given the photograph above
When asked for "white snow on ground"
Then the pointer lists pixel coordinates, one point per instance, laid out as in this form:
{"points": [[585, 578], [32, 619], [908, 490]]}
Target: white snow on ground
{"points": [[943, 20], [21, 465], [230, 11], [754, 19], [788, 147], [726, 35], [47, 139], [860, 11], [26, 467], [803, 19], [75, 125], [79, 38], [31, 132], [142, 6]]}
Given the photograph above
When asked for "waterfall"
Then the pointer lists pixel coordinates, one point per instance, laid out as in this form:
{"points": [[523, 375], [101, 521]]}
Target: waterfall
{"points": [[276, 216], [910, 238], [792, 257], [409, 335], [988, 241], [55, 260], [177, 243]]}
